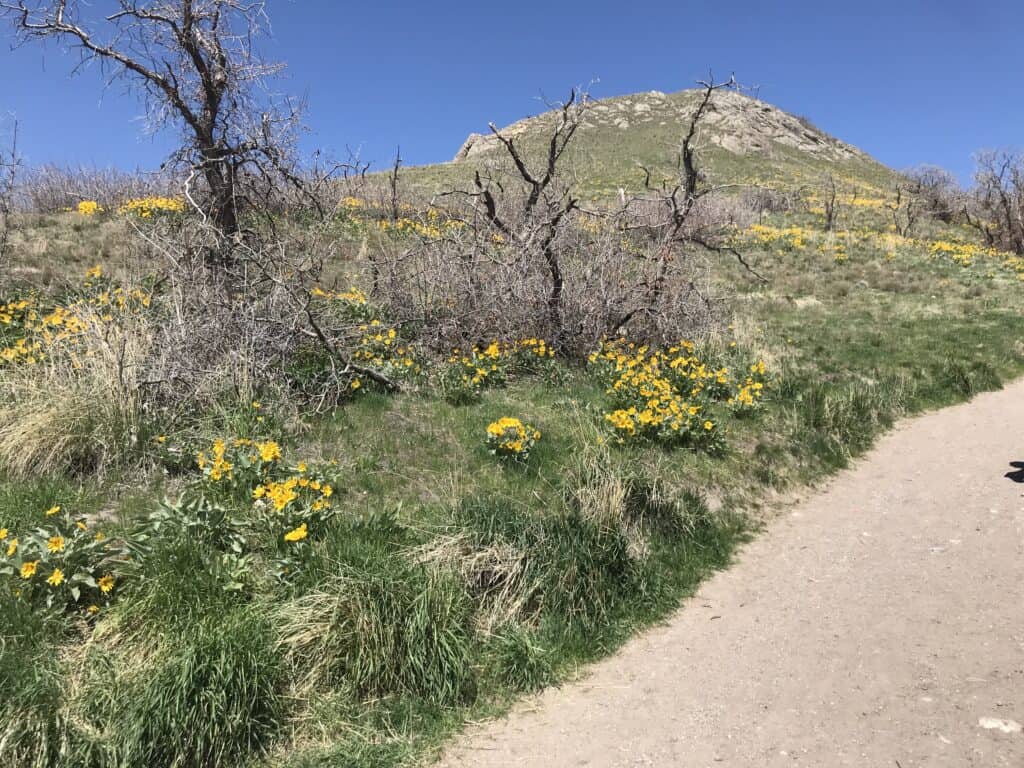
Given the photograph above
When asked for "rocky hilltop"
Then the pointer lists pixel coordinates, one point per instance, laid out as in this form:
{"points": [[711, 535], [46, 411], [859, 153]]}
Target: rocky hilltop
{"points": [[735, 122]]}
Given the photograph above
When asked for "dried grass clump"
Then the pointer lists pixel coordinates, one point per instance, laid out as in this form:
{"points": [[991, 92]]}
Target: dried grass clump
{"points": [[397, 630], [495, 575], [80, 407]]}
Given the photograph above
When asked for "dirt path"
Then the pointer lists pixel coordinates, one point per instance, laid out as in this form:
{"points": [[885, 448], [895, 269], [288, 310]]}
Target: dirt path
{"points": [[879, 623]]}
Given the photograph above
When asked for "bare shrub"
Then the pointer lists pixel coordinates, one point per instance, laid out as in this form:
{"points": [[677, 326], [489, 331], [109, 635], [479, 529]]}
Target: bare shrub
{"points": [[998, 200], [906, 209], [521, 256], [830, 201], [938, 191], [53, 188], [9, 163], [765, 200]]}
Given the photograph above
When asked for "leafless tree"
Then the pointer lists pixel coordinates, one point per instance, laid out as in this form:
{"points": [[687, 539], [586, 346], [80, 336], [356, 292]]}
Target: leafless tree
{"points": [[937, 191], [198, 67], [999, 200], [830, 201], [535, 222], [9, 162], [528, 257], [906, 208], [684, 217]]}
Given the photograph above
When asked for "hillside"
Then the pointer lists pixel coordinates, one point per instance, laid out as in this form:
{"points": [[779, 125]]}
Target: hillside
{"points": [[328, 503], [742, 140]]}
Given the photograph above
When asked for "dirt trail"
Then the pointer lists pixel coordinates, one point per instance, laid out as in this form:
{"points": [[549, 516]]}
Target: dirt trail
{"points": [[878, 623]]}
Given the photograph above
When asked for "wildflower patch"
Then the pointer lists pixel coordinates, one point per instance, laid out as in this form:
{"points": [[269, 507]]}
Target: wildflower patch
{"points": [[510, 438]]}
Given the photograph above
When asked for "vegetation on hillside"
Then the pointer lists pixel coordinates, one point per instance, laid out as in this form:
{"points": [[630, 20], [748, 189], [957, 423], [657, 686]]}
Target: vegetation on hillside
{"points": [[317, 484]]}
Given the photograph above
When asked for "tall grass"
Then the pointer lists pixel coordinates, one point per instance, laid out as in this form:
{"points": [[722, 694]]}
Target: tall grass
{"points": [[208, 695], [78, 409]]}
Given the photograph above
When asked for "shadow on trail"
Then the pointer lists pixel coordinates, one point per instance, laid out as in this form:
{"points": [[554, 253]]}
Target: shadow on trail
{"points": [[1017, 475]]}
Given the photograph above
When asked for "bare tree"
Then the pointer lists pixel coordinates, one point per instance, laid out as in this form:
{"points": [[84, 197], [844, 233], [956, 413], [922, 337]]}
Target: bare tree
{"points": [[999, 200], [200, 72], [532, 222], [937, 191], [830, 201], [517, 253], [9, 162], [906, 208], [684, 217]]}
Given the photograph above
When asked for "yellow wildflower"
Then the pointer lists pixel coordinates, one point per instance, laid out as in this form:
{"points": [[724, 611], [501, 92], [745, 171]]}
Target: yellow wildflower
{"points": [[56, 578], [297, 534], [269, 450]]}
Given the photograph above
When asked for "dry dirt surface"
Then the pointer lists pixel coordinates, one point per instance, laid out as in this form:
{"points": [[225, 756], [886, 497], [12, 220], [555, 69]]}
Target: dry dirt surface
{"points": [[878, 623]]}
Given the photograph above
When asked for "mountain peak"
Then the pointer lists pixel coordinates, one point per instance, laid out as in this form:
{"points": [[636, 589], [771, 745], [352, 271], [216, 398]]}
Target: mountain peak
{"points": [[741, 138]]}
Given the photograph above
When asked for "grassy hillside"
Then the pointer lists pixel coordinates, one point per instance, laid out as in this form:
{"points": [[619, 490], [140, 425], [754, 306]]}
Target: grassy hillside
{"points": [[268, 581], [742, 141]]}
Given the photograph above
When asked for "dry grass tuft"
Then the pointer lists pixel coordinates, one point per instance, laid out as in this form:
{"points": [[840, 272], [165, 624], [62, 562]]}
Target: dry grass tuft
{"points": [[78, 409]]}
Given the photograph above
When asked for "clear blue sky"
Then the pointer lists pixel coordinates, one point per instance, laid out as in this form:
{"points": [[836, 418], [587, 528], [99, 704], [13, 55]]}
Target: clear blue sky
{"points": [[910, 81]]}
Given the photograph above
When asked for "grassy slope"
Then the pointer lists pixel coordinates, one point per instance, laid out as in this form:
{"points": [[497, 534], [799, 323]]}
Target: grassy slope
{"points": [[606, 157], [856, 343]]}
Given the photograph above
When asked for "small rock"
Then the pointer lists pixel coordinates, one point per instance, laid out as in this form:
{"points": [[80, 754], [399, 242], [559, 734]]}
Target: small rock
{"points": [[994, 723]]}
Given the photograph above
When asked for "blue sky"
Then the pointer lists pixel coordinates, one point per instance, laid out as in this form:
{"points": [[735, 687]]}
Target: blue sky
{"points": [[910, 81]]}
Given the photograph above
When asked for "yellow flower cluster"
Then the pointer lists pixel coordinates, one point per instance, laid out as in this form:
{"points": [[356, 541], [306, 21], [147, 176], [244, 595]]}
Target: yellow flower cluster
{"points": [[470, 371], [89, 208], [1015, 264], [431, 224], [835, 249], [215, 466], [22, 351], [381, 348], [668, 394], [282, 493], [434, 228], [289, 501], [786, 238], [749, 394], [509, 437], [863, 202], [966, 254], [351, 296], [14, 312], [661, 394], [39, 331], [67, 553], [146, 207]]}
